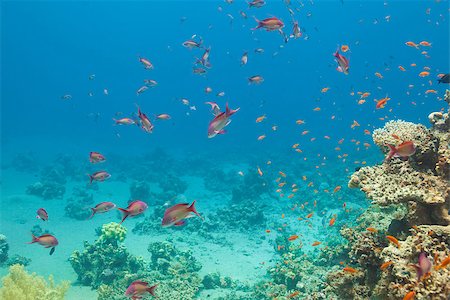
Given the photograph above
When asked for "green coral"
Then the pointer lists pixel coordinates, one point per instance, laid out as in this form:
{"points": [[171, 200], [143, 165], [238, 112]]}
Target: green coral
{"points": [[113, 232], [19, 284]]}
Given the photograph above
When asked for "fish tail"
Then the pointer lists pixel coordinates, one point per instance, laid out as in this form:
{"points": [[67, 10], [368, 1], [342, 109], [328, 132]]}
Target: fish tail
{"points": [[91, 178], [194, 210], [93, 213], [152, 289], [34, 239], [259, 23], [125, 214], [392, 151]]}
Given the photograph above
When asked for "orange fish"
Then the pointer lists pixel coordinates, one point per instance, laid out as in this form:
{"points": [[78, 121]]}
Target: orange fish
{"points": [[337, 189], [410, 296], [260, 119], [371, 229], [425, 44], [401, 68], [261, 137], [260, 172], [379, 75], [344, 48], [443, 264], [361, 101], [292, 238], [300, 122], [309, 215], [430, 91], [325, 89], [393, 240], [355, 124], [350, 270], [412, 44], [296, 293], [305, 132], [365, 95], [267, 231], [316, 243], [404, 150], [332, 221], [382, 102], [316, 109], [424, 74], [386, 265]]}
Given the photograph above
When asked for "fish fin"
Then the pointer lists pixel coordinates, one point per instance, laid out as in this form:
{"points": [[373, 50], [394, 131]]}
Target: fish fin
{"points": [[125, 214], [34, 239], [52, 251], [340, 69], [392, 152], [93, 213], [151, 290], [91, 178], [180, 223], [259, 24], [192, 209], [223, 131]]}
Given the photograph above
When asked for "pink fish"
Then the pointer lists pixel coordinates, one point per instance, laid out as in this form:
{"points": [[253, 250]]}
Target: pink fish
{"points": [[138, 288], [163, 117], [102, 208], [96, 157], [269, 24], [46, 240], [42, 214], [134, 208], [220, 121], [176, 214], [256, 3], [214, 108], [424, 265], [343, 64], [404, 150], [146, 124], [147, 64], [124, 121], [99, 176]]}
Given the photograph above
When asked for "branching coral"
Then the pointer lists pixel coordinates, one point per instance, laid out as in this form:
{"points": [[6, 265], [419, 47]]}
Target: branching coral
{"points": [[18, 284]]}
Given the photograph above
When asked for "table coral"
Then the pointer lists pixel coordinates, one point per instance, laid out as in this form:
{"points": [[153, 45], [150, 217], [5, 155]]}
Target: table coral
{"points": [[18, 284]]}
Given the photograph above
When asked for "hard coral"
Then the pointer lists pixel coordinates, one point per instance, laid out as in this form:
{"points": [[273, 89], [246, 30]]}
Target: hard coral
{"points": [[18, 284]]}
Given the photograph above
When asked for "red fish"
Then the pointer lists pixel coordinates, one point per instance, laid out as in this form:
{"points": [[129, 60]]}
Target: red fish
{"points": [[176, 214], [134, 208], [220, 121], [269, 24], [138, 288], [96, 157], [146, 124], [404, 150], [424, 265], [46, 240], [102, 208], [99, 176], [147, 64], [42, 214], [343, 64]]}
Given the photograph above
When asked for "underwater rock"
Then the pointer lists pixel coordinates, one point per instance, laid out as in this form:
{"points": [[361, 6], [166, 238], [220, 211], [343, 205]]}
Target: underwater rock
{"points": [[166, 259], [19, 284], [26, 162], [78, 206], [251, 188], [140, 190], [4, 248], [107, 259], [17, 259], [219, 181], [214, 280], [46, 190], [172, 183]]}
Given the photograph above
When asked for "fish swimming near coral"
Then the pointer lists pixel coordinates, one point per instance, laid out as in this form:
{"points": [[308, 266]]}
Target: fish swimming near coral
{"points": [[424, 265], [46, 240], [134, 208], [176, 215], [404, 150], [102, 208], [138, 288], [42, 214]]}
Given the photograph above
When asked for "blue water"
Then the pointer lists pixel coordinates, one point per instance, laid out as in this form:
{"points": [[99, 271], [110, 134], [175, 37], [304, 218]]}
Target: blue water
{"points": [[50, 49]]}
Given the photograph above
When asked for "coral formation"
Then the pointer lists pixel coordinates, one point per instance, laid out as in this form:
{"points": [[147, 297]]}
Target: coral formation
{"points": [[47, 190], [78, 205], [107, 259], [18, 284], [139, 190], [17, 259], [4, 248]]}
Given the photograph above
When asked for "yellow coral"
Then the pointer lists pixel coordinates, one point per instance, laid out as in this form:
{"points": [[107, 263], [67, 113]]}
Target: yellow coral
{"points": [[113, 231], [20, 285]]}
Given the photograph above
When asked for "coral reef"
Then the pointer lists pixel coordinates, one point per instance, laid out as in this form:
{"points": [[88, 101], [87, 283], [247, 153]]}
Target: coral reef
{"points": [[47, 190], [4, 248], [175, 272], [139, 190], [17, 259], [107, 259], [78, 205], [18, 284], [414, 196]]}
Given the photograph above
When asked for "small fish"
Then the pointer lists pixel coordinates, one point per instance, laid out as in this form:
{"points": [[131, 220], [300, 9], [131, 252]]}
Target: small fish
{"points": [[379, 75], [350, 270], [316, 243], [412, 44], [296, 33], [150, 82], [269, 24], [96, 157], [66, 97], [343, 63], [141, 89], [424, 74], [146, 124], [292, 237], [102, 208], [385, 265], [46, 240], [443, 263], [198, 71], [99, 176], [260, 119], [163, 117], [256, 3], [124, 121], [393, 240], [404, 150], [256, 79], [176, 215], [332, 221], [345, 48], [371, 229], [410, 296], [147, 64], [425, 44], [190, 44], [138, 288], [42, 214], [244, 58], [382, 102], [337, 189], [135, 208], [424, 265], [260, 172]]}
